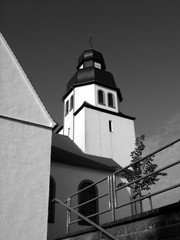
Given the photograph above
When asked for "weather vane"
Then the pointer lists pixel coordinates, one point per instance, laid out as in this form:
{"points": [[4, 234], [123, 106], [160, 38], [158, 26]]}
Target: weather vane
{"points": [[90, 40]]}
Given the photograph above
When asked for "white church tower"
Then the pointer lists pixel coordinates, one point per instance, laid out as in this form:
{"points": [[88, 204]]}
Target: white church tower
{"points": [[92, 118]]}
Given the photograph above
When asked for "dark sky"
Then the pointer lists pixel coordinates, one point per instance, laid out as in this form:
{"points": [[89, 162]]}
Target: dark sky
{"points": [[139, 39]]}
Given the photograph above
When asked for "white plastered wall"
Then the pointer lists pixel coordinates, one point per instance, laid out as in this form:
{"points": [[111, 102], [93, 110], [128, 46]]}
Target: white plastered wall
{"points": [[24, 180], [25, 145], [84, 94], [18, 99], [68, 128], [87, 93], [101, 142], [79, 127]]}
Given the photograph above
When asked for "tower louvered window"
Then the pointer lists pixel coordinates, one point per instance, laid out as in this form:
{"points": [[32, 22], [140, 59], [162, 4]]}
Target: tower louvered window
{"points": [[67, 108], [111, 100], [71, 102], [101, 97]]}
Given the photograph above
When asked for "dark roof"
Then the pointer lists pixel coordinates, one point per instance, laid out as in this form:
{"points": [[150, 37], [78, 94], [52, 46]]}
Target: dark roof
{"points": [[64, 150], [57, 128], [90, 74], [91, 54], [93, 75]]}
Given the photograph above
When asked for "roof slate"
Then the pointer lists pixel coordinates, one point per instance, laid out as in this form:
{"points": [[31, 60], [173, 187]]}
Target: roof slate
{"points": [[64, 150]]}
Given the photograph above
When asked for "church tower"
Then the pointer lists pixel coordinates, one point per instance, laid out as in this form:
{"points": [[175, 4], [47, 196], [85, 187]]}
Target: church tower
{"points": [[92, 118]]}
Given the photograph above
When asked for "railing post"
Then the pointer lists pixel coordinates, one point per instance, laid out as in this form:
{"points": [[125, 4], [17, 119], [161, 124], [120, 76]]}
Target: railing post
{"points": [[87, 220], [150, 201], [109, 191], [68, 215], [132, 208], [112, 191]]}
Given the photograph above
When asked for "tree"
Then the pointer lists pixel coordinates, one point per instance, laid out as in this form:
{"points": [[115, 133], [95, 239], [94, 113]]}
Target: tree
{"points": [[140, 169]]}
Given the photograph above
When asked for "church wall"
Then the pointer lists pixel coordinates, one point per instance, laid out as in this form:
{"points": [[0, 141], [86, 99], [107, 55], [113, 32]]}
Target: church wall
{"points": [[84, 94], [17, 97], [93, 134], [67, 179], [79, 127], [24, 180], [117, 143], [68, 118], [125, 133]]}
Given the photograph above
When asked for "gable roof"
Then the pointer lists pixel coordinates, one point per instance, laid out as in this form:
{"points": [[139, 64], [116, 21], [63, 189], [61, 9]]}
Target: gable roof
{"points": [[64, 150], [18, 99]]}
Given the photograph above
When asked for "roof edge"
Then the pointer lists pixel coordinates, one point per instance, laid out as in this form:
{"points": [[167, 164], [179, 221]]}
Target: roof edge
{"points": [[95, 165], [51, 124], [92, 82], [119, 114]]}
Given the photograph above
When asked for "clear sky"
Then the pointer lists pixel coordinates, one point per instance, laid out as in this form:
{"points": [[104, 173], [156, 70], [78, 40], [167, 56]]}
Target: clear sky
{"points": [[139, 39]]}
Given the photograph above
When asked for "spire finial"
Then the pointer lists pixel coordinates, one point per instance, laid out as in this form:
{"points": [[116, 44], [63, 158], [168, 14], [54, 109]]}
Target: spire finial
{"points": [[90, 40]]}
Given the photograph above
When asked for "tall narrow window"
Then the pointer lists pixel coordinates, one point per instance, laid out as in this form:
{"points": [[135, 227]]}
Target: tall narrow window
{"points": [[71, 102], [101, 97], [111, 101], [84, 196], [68, 132], [110, 126], [52, 192], [67, 107]]}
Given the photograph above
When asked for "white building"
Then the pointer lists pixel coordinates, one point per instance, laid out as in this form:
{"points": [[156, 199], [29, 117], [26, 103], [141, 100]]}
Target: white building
{"points": [[102, 140], [25, 153], [92, 117]]}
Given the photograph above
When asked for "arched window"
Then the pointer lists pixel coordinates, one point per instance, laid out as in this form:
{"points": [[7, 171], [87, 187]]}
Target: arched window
{"points": [[84, 196], [111, 101], [101, 97], [52, 193], [71, 102], [67, 107]]}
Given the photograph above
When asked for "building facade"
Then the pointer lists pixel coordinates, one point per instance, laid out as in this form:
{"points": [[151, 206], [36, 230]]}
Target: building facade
{"points": [[71, 171], [95, 140], [25, 150], [92, 117], [37, 166]]}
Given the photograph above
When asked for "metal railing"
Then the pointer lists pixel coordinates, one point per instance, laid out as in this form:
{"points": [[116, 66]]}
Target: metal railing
{"points": [[102, 230], [111, 194], [149, 195], [107, 181]]}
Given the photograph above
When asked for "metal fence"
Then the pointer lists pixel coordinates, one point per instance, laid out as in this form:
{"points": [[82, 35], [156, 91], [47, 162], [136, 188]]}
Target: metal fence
{"points": [[113, 188], [107, 194]]}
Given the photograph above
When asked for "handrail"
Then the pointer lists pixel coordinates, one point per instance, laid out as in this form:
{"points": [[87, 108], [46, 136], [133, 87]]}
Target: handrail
{"points": [[151, 154], [147, 176], [108, 194], [116, 189], [112, 192], [56, 200], [91, 200], [91, 185], [150, 195]]}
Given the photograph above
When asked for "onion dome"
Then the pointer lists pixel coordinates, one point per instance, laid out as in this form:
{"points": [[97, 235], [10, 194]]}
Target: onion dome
{"points": [[89, 57], [91, 69]]}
